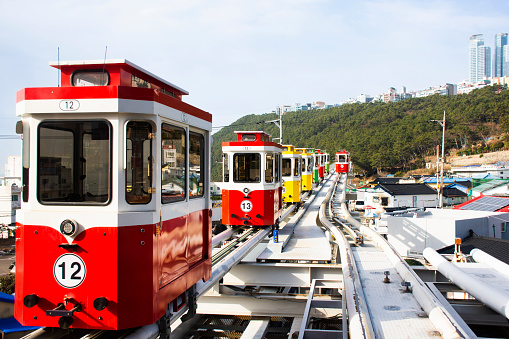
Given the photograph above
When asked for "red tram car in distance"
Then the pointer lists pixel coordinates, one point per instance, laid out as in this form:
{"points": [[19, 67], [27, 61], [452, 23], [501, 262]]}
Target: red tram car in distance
{"points": [[252, 189], [115, 221], [342, 161]]}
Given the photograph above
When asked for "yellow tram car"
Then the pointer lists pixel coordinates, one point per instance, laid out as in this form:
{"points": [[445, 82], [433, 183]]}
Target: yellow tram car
{"points": [[307, 168], [291, 171]]}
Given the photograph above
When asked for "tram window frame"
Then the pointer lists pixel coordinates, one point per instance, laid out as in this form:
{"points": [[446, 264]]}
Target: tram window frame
{"points": [[180, 149], [277, 167], [286, 170], [269, 174], [248, 137], [77, 157], [136, 168], [200, 152], [100, 72], [296, 168], [226, 168], [255, 158]]}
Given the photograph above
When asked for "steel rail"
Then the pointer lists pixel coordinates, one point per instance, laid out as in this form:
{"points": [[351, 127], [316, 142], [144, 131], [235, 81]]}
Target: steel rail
{"points": [[359, 320]]}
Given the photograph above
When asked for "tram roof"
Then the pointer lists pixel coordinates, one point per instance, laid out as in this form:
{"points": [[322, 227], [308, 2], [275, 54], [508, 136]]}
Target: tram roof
{"points": [[101, 63]]}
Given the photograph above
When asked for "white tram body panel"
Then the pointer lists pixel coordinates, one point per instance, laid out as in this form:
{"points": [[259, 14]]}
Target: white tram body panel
{"points": [[101, 242]]}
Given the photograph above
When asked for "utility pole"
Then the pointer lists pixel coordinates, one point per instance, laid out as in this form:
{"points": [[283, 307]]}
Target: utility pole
{"points": [[279, 124], [442, 160]]}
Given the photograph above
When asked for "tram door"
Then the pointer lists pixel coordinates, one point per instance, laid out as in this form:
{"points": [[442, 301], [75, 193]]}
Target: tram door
{"points": [[185, 223]]}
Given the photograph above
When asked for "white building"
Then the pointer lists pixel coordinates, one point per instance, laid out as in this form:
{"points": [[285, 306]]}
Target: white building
{"points": [[495, 171], [411, 233], [215, 188], [400, 195], [10, 191]]}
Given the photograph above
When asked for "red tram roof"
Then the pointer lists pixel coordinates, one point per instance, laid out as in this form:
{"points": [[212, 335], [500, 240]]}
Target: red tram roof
{"points": [[121, 73], [252, 138], [125, 81]]}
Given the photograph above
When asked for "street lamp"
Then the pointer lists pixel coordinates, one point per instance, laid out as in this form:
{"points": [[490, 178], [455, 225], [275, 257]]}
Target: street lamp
{"points": [[440, 188], [279, 124]]}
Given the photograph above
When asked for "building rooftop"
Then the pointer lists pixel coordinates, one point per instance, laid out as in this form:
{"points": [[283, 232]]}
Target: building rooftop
{"points": [[486, 203], [406, 189], [498, 248]]}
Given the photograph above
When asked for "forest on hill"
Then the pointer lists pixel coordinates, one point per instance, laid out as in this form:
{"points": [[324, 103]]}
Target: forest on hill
{"points": [[390, 137]]}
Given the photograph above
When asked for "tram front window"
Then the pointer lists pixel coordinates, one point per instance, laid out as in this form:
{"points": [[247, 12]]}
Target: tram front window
{"points": [[73, 162], [246, 167]]}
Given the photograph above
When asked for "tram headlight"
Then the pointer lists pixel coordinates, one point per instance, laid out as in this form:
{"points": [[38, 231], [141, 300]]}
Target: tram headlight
{"points": [[246, 190], [68, 227]]}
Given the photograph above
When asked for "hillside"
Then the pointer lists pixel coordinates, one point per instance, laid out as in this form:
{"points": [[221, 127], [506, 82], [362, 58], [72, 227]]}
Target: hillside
{"points": [[388, 137]]}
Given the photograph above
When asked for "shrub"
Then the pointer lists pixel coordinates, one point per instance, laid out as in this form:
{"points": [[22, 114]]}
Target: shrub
{"points": [[498, 144], [7, 283]]}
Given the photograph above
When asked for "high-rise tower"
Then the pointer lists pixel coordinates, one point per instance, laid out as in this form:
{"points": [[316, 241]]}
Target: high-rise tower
{"points": [[505, 58], [498, 56], [480, 58]]}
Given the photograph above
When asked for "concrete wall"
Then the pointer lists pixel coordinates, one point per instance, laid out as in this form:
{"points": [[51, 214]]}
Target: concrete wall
{"points": [[415, 234], [375, 199], [438, 228]]}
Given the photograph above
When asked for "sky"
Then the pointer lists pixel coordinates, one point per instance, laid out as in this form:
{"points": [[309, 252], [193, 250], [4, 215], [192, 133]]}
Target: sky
{"points": [[240, 57]]}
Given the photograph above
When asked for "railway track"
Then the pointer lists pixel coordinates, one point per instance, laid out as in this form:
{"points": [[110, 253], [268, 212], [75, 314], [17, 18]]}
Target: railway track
{"points": [[233, 244]]}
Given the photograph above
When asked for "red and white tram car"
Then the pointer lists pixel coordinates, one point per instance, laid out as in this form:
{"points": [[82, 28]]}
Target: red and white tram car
{"points": [[115, 220], [252, 190], [342, 161]]}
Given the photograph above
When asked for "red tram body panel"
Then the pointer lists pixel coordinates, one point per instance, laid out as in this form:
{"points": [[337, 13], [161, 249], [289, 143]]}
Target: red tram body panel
{"points": [[114, 226], [252, 190]]}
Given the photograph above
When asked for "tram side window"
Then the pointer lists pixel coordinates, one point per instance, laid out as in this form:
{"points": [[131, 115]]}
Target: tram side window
{"points": [[269, 167], [173, 164], [246, 167], [296, 168], [277, 167], [309, 162], [226, 168], [74, 163], [196, 164], [287, 167], [139, 161]]}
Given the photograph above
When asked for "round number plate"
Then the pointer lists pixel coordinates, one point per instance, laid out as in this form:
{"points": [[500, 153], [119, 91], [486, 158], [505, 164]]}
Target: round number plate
{"points": [[246, 206], [69, 270]]}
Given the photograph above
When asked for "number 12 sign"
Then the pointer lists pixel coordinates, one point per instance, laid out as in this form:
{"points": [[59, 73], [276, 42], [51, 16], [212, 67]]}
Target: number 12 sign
{"points": [[69, 270]]}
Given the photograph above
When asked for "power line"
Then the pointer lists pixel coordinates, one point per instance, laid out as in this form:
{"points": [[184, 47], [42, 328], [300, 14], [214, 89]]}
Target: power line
{"points": [[251, 123], [10, 136]]}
